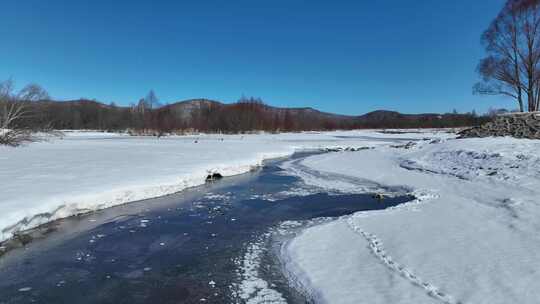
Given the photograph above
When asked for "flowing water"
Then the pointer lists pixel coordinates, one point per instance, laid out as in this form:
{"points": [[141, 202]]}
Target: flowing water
{"points": [[217, 243]]}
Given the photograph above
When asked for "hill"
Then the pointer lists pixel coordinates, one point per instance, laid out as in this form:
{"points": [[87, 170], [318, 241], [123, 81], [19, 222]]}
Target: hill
{"points": [[214, 116]]}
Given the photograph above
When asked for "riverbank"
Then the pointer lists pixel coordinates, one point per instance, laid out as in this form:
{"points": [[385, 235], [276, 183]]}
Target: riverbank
{"points": [[470, 237], [84, 172]]}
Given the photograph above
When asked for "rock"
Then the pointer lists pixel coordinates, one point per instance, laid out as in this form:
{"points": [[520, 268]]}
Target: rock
{"points": [[338, 149], [23, 238], [213, 177], [407, 146], [378, 196], [518, 125]]}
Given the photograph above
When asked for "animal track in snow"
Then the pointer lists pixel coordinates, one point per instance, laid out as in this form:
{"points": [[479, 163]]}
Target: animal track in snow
{"points": [[377, 249]]}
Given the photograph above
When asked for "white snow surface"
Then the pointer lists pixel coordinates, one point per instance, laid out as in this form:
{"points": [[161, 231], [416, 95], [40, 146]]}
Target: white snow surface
{"points": [[86, 171], [471, 236]]}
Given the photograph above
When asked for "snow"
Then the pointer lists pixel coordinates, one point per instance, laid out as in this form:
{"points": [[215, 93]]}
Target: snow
{"points": [[471, 236], [84, 171]]}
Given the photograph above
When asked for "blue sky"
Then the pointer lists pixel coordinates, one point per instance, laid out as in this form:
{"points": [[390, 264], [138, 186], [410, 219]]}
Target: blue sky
{"points": [[346, 57]]}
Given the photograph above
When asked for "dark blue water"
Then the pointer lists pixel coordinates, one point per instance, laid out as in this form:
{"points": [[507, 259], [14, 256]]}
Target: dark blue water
{"points": [[171, 249]]}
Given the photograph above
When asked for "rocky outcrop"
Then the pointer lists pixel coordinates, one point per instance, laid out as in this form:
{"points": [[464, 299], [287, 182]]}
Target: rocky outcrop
{"points": [[519, 125]]}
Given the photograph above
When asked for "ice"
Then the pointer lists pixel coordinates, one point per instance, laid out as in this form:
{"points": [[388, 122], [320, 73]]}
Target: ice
{"points": [[87, 171], [471, 236], [253, 289], [223, 197]]}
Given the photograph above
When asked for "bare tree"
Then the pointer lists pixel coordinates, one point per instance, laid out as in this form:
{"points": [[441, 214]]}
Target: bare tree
{"points": [[151, 101], [32, 92], [14, 108], [512, 43]]}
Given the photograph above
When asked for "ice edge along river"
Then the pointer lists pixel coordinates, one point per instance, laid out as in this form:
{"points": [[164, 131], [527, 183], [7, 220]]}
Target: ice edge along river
{"points": [[86, 171]]}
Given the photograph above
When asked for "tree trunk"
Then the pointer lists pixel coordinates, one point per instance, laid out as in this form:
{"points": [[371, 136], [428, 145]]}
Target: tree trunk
{"points": [[520, 100], [530, 100]]}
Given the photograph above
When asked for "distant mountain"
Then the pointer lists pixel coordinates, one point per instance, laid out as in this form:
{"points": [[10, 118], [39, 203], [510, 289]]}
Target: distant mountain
{"points": [[183, 109], [214, 116], [380, 115]]}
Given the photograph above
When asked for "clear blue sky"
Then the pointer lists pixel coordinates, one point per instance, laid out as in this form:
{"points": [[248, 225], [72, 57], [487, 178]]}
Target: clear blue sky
{"points": [[339, 56]]}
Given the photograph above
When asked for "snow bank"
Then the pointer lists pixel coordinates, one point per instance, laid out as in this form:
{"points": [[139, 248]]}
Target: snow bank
{"points": [[85, 171], [471, 237]]}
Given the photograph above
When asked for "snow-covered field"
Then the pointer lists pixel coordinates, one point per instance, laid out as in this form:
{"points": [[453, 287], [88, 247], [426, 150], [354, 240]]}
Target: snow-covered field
{"points": [[472, 236], [87, 171]]}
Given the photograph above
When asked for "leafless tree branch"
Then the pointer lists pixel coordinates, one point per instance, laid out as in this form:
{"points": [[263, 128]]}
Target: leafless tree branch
{"points": [[13, 109]]}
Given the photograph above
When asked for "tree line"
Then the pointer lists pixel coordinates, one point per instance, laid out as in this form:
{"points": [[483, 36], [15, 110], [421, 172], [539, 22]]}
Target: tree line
{"points": [[247, 114], [31, 110]]}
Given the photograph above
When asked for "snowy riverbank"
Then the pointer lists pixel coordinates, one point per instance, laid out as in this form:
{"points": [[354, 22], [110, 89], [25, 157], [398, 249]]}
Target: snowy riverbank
{"points": [[471, 237], [88, 171]]}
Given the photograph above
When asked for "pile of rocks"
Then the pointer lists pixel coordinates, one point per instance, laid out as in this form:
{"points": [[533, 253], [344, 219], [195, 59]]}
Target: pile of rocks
{"points": [[519, 125]]}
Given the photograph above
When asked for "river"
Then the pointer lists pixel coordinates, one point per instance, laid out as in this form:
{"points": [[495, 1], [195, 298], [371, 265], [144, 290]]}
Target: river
{"points": [[216, 243]]}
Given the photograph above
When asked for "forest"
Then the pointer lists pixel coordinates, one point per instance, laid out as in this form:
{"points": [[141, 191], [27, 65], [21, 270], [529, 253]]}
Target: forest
{"points": [[201, 115], [31, 109]]}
